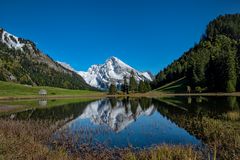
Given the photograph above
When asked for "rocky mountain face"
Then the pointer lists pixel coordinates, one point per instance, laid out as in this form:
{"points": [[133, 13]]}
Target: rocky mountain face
{"points": [[67, 66], [22, 62], [112, 71]]}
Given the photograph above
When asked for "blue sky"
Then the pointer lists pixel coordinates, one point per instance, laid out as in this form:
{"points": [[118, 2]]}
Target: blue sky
{"points": [[146, 34]]}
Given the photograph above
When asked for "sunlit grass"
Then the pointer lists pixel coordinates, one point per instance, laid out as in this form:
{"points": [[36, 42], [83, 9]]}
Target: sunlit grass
{"points": [[232, 115], [13, 89], [167, 152], [178, 86]]}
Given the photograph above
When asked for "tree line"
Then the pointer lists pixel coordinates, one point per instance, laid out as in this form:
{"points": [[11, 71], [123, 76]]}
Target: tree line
{"points": [[131, 86]]}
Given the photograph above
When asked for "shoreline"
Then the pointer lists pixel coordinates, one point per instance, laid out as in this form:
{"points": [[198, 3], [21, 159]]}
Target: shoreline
{"points": [[105, 95]]}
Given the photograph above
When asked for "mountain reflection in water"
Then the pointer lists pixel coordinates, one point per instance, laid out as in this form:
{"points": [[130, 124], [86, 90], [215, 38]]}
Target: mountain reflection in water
{"points": [[116, 117], [121, 123]]}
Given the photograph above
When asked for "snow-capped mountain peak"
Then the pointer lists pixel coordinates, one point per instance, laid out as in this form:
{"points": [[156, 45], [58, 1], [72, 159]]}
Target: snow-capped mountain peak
{"points": [[112, 71], [10, 40], [114, 61]]}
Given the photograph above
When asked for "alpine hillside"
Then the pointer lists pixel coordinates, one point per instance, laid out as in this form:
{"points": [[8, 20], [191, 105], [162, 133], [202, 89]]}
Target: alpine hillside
{"points": [[22, 62], [112, 71], [212, 65]]}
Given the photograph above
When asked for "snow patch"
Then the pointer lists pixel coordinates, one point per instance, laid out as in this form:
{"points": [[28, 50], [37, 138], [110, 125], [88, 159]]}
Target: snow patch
{"points": [[11, 41], [66, 65], [147, 75]]}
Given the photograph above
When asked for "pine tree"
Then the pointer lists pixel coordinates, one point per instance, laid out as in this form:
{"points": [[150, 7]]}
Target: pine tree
{"points": [[147, 86], [231, 71], [141, 87], [161, 76], [132, 83], [210, 72], [112, 89], [125, 86]]}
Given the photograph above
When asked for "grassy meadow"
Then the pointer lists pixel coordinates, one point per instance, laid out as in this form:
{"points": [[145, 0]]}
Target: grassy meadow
{"points": [[8, 89]]}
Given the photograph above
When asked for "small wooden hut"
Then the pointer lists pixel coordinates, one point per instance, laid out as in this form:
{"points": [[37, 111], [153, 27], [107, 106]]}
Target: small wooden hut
{"points": [[42, 92]]}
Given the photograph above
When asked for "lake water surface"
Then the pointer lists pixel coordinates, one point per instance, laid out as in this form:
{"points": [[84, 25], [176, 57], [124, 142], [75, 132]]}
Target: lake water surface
{"points": [[136, 122], [120, 123]]}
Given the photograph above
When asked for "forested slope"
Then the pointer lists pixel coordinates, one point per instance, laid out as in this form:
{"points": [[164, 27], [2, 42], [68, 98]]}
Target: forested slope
{"points": [[22, 62], [213, 64]]}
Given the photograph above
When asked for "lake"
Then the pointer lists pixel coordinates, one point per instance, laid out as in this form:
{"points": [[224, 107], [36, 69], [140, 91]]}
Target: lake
{"points": [[141, 122]]}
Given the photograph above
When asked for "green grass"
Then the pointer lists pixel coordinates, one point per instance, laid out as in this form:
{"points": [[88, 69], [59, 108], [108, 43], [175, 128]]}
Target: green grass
{"points": [[178, 86], [8, 89]]}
